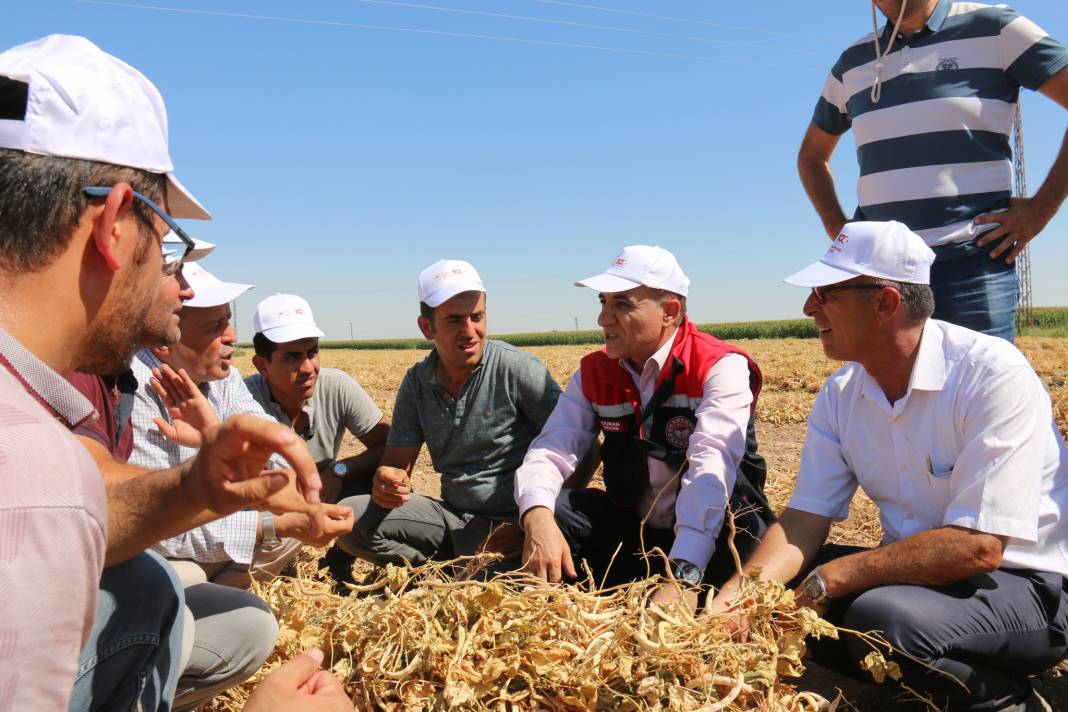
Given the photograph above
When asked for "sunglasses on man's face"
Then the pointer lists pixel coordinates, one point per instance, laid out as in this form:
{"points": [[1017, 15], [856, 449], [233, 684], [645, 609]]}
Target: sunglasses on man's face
{"points": [[172, 260], [820, 293]]}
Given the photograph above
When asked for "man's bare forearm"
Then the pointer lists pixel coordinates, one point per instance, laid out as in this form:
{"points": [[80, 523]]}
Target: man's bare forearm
{"points": [[147, 509], [1051, 194], [937, 557], [814, 168]]}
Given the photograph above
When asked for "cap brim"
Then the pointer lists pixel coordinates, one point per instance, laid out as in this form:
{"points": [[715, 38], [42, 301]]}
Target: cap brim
{"points": [[608, 283], [219, 293], [201, 248], [293, 332], [819, 274], [181, 203], [448, 292]]}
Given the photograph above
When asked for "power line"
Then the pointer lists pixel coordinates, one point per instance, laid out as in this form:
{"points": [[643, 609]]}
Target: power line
{"points": [[670, 18], [439, 33], [568, 23]]}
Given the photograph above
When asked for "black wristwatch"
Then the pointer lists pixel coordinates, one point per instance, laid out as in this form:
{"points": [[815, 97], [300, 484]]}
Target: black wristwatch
{"points": [[686, 573], [814, 588]]}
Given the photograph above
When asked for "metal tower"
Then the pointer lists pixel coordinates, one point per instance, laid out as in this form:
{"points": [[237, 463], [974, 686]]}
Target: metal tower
{"points": [[1024, 304]]}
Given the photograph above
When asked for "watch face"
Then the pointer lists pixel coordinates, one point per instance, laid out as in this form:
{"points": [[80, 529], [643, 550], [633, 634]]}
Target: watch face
{"points": [[687, 573], [813, 588], [340, 469]]}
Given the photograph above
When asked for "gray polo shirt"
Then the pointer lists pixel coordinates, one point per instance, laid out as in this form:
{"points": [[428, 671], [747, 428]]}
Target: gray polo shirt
{"points": [[338, 404], [478, 440]]}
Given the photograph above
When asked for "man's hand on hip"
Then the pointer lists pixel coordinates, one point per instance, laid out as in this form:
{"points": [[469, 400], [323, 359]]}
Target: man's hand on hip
{"points": [[227, 474], [1017, 226], [545, 551], [390, 487]]}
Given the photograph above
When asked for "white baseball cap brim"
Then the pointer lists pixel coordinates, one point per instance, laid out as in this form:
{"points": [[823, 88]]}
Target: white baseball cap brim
{"points": [[218, 293], [451, 289], [293, 332], [181, 203], [173, 244], [608, 283], [819, 274]]}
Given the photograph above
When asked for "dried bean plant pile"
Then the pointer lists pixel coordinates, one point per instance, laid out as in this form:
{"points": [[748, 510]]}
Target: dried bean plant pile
{"points": [[440, 637]]}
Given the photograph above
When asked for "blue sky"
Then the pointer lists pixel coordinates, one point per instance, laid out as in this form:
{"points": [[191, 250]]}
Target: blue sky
{"points": [[345, 144]]}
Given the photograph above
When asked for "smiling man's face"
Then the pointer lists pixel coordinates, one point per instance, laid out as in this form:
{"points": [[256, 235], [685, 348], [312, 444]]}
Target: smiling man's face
{"points": [[458, 330], [637, 322]]}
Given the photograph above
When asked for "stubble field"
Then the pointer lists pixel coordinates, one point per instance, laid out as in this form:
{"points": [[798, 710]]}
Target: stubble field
{"points": [[794, 370]]}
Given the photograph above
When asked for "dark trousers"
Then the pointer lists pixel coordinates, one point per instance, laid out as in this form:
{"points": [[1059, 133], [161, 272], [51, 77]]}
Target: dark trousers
{"points": [[989, 632], [595, 527]]}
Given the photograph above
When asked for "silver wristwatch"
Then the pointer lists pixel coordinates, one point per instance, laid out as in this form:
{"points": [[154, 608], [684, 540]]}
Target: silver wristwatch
{"points": [[814, 588], [686, 573], [270, 539]]}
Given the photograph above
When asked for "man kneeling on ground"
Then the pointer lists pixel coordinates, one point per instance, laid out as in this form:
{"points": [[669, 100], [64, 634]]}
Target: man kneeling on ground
{"points": [[676, 410], [320, 404], [951, 434], [477, 404]]}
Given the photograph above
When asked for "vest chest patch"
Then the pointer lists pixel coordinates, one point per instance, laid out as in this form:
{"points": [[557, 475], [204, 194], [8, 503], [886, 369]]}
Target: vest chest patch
{"points": [[613, 425], [678, 430]]}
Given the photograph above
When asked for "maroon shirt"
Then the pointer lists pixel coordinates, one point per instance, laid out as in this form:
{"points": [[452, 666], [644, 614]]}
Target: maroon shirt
{"points": [[107, 394]]}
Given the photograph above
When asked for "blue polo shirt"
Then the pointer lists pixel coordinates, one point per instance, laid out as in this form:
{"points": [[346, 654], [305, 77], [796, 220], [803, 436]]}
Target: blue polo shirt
{"points": [[934, 153]]}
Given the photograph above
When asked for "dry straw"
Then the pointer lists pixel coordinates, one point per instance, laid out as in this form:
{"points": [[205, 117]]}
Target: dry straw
{"points": [[440, 636]]}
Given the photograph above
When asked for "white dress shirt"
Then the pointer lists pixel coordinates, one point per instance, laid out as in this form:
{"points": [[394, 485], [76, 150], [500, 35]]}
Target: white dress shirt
{"points": [[233, 537], [695, 505], [972, 443]]}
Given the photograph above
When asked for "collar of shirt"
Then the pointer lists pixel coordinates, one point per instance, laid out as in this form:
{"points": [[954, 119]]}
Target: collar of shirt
{"points": [[934, 22], [49, 388], [654, 364], [280, 413], [430, 372], [928, 372]]}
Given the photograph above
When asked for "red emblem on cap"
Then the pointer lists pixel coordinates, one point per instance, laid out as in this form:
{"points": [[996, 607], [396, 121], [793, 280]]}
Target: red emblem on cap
{"points": [[620, 261]]}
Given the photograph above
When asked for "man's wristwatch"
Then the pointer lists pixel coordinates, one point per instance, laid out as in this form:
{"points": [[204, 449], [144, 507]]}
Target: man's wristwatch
{"points": [[339, 470], [270, 539], [686, 573], [814, 588]]}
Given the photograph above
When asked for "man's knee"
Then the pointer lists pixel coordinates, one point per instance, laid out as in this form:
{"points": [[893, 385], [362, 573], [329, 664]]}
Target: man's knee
{"points": [[895, 615], [367, 518]]}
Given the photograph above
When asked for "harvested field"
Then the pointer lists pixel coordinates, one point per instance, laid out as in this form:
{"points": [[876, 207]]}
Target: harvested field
{"points": [[794, 371]]}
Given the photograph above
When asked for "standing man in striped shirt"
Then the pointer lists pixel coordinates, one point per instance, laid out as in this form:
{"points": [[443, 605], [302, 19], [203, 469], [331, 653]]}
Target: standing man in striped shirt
{"points": [[931, 99]]}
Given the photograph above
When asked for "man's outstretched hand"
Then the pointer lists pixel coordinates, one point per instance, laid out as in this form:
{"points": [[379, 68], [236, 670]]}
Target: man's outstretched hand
{"points": [[191, 413], [228, 474], [545, 551]]}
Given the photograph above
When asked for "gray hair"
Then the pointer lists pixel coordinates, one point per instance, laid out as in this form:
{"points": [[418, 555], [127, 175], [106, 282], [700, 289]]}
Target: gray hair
{"points": [[918, 299], [42, 200]]}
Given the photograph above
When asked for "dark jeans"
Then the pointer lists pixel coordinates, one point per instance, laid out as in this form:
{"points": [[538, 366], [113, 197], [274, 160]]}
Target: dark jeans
{"points": [[989, 632], [974, 291], [594, 527]]}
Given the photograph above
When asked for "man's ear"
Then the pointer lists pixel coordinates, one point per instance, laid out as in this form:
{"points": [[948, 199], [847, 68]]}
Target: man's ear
{"points": [[260, 364], [889, 305], [426, 327], [107, 236], [672, 309]]}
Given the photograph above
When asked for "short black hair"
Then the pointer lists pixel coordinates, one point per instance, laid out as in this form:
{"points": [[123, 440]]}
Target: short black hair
{"points": [[426, 311], [264, 347], [42, 199]]}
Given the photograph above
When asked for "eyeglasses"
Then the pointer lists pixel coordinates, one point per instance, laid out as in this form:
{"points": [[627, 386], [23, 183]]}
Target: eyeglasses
{"points": [[172, 261], [820, 293]]}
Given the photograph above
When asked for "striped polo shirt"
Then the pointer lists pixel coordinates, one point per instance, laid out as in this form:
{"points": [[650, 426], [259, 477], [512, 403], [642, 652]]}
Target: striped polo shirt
{"points": [[934, 152]]}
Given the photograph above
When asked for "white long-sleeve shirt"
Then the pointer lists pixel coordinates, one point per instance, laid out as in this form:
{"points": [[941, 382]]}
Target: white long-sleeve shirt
{"points": [[695, 505]]}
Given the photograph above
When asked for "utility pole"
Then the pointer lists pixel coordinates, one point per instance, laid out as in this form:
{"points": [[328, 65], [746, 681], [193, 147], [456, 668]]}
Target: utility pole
{"points": [[576, 323], [352, 333]]}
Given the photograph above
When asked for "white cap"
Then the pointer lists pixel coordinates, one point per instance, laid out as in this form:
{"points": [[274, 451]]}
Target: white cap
{"points": [[62, 96], [209, 290], [887, 250], [201, 249], [639, 265], [285, 317], [444, 279]]}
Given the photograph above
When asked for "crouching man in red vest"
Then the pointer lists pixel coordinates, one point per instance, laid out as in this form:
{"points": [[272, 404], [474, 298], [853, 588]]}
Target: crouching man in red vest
{"points": [[675, 407]]}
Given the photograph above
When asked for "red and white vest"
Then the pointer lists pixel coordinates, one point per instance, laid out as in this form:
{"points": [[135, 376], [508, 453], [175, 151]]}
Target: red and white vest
{"points": [[631, 435]]}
